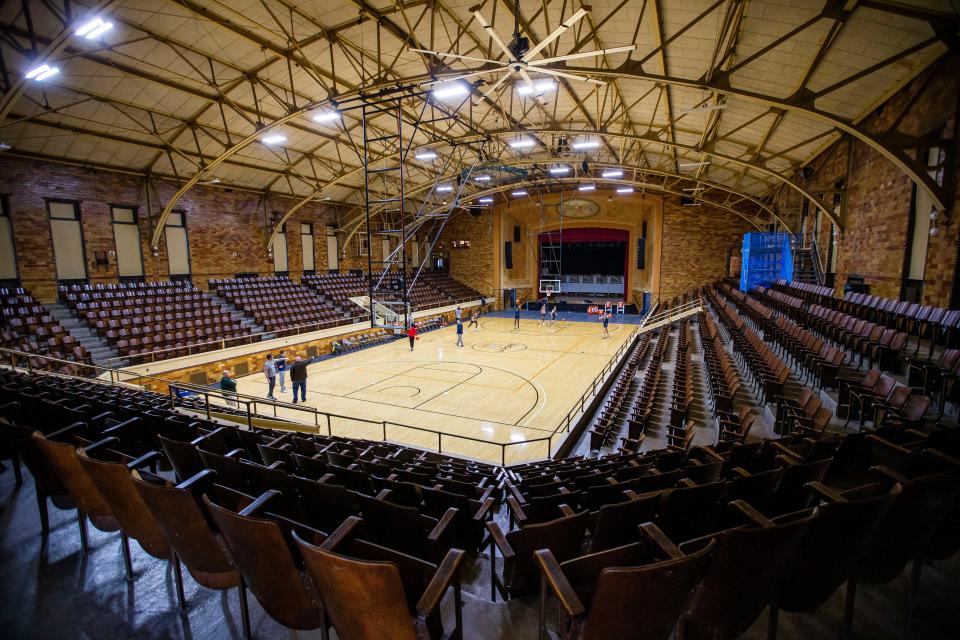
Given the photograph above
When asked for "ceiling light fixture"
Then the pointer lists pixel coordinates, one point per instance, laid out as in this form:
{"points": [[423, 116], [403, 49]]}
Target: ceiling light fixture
{"points": [[93, 29], [624, 189], [445, 188], [485, 200], [540, 86], [559, 171], [4, 146], [426, 155], [482, 178], [587, 187], [274, 139], [42, 72], [585, 144], [519, 193], [323, 117], [450, 90], [523, 143], [612, 173]]}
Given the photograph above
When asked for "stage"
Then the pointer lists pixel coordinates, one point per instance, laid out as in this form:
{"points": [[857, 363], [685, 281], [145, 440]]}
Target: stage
{"points": [[504, 387]]}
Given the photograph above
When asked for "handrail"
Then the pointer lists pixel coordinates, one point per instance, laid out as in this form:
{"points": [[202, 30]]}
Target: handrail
{"points": [[817, 261], [251, 402]]}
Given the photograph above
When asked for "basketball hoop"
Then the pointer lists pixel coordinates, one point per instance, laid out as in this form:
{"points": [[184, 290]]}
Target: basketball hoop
{"points": [[549, 292]]}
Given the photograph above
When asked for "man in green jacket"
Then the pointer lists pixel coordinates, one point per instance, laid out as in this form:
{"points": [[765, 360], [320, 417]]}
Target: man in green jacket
{"points": [[228, 386]]}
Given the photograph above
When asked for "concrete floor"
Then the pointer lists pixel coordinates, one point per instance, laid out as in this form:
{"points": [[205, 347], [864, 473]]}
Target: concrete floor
{"points": [[50, 590]]}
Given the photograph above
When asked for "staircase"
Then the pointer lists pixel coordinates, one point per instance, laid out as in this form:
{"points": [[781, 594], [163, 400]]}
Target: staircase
{"points": [[243, 319], [98, 348], [663, 318], [805, 266]]}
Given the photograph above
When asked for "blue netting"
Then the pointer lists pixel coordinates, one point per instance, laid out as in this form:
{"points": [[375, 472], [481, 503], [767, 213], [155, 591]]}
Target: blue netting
{"points": [[767, 257]]}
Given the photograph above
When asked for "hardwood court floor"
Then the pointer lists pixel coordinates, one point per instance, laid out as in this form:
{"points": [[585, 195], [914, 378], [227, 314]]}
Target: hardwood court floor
{"points": [[504, 386]]}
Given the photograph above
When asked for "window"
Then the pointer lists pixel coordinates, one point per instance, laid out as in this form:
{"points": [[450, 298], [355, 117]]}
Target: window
{"points": [[178, 244], [8, 259], [362, 248], [67, 237], [126, 238], [306, 246], [279, 247], [333, 250]]}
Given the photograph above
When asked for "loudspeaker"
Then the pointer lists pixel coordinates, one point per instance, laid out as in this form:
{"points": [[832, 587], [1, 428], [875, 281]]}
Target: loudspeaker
{"points": [[508, 255], [476, 212], [641, 253], [516, 233], [643, 229]]}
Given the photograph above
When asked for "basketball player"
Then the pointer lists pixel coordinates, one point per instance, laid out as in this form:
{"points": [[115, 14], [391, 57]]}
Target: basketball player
{"points": [[412, 334], [605, 317], [459, 333], [516, 317], [473, 320], [543, 313], [553, 314]]}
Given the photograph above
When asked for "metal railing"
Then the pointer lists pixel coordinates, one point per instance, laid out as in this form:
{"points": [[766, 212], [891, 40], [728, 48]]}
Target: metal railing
{"points": [[252, 409]]}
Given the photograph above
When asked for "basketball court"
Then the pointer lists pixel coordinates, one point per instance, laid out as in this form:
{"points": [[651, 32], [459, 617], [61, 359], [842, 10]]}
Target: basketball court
{"points": [[504, 387]]}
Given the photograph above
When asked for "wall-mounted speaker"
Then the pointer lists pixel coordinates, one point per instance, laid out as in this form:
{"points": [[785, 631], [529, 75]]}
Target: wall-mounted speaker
{"points": [[641, 252], [643, 229], [508, 255], [516, 233]]}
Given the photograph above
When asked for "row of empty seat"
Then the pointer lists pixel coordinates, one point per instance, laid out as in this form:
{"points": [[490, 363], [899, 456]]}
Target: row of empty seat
{"points": [[27, 325]]}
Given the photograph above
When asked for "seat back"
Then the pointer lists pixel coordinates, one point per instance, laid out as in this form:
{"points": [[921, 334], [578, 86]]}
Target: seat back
{"points": [[189, 530], [269, 569], [47, 481], [740, 578], [563, 536], [115, 484], [616, 524]]}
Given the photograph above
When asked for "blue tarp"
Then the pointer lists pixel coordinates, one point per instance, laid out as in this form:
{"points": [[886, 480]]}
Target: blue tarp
{"points": [[767, 257]]}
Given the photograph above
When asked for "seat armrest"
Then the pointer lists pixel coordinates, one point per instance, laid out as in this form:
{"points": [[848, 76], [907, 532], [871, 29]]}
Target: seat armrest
{"points": [[66, 431], [277, 465], [199, 481], [889, 473], [496, 534], [751, 514], [824, 492], [348, 529], [254, 509], [653, 533], [447, 572], [558, 583], [100, 444], [484, 511], [687, 483], [147, 458], [565, 510], [443, 525], [236, 453], [516, 510], [740, 471]]}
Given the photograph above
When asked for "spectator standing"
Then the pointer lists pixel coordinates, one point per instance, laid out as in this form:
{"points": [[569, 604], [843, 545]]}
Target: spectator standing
{"points": [[270, 371], [516, 317], [459, 333], [298, 377], [281, 363], [228, 386]]}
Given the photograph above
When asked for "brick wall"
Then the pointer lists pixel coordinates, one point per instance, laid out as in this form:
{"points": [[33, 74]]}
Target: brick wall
{"points": [[696, 241], [880, 196], [225, 229], [472, 266]]}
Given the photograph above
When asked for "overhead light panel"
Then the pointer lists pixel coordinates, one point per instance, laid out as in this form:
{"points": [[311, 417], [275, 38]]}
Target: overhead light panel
{"points": [[426, 155], [522, 143], [612, 173], [485, 200], [539, 87], [445, 188], [42, 72], [585, 144], [93, 29], [482, 178], [587, 187], [559, 171], [449, 90], [519, 193], [624, 189], [323, 117], [274, 139]]}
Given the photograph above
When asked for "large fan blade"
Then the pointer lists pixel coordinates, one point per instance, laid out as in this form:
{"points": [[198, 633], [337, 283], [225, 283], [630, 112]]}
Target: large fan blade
{"points": [[441, 54], [496, 85], [561, 74], [533, 88], [586, 54], [569, 22], [462, 77], [493, 34]]}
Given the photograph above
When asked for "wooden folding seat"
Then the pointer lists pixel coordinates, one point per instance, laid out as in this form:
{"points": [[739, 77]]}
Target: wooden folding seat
{"points": [[263, 552], [357, 578], [405, 528], [744, 570]]}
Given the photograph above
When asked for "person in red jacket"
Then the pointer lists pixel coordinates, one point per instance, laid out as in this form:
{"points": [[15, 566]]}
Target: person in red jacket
{"points": [[412, 334]]}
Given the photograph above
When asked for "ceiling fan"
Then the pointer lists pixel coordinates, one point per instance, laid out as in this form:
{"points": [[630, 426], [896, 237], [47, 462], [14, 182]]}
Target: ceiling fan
{"points": [[520, 57]]}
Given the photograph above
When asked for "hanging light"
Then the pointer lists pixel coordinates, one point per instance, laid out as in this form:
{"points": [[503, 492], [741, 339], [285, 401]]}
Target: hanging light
{"points": [[612, 173], [276, 138], [93, 29], [41, 73]]}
